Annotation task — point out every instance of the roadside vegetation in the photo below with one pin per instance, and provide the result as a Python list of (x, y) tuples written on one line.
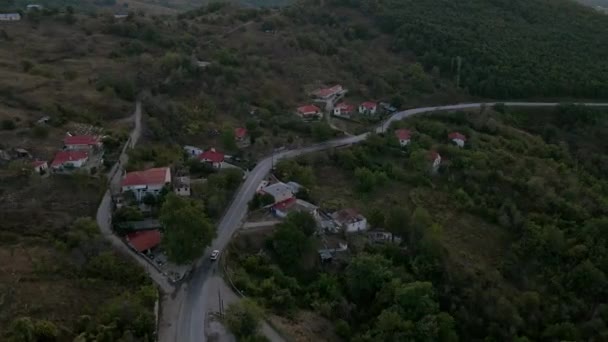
[(504, 243)]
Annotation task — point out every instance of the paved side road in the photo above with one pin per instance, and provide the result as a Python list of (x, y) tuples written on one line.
[(195, 298), (104, 212)]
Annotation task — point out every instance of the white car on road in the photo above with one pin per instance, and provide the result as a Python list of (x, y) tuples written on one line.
[(215, 254)]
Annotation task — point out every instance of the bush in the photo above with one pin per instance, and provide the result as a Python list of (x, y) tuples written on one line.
[(8, 124), (343, 329), (40, 132), (26, 65), (243, 318)]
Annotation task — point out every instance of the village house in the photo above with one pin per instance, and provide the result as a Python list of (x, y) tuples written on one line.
[(31, 7), (282, 209), (69, 160), (193, 151), (368, 108), (458, 138), (142, 183), (435, 160), (10, 16), (381, 236), (240, 134), (328, 93), (388, 107), (212, 157), (181, 186), (81, 142), (344, 110), (309, 112), (280, 191), (145, 240), (40, 166), (350, 220), (22, 153), (331, 249), (404, 136)]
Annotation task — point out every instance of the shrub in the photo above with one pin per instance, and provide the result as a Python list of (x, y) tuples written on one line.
[(26, 65), (8, 124), (40, 132)]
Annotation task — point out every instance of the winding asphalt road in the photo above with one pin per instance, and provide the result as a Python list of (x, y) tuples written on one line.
[(196, 296)]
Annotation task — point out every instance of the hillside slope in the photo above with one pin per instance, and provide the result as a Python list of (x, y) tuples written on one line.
[(509, 49)]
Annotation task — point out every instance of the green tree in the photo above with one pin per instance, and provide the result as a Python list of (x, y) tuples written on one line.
[(302, 220), (228, 140), (397, 222), (365, 179), (290, 244), (81, 232), (187, 231), (46, 331), (8, 124), (376, 218), (321, 131), (421, 222), (243, 318), (127, 213), (22, 330), (149, 199), (365, 275), (260, 201)]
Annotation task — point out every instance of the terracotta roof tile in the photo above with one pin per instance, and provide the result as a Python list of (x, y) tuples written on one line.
[(148, 177), (144, 240), (64, 156)]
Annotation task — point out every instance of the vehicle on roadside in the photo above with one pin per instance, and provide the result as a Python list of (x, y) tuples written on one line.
[(215, 254)]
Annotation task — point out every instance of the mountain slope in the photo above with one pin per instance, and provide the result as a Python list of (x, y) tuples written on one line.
[(508, 48)]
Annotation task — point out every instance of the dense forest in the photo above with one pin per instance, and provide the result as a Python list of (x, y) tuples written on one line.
[(507, 49), (507, 242)]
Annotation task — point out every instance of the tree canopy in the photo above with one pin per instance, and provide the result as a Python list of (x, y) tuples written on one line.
[(501, 49), (186, 229)]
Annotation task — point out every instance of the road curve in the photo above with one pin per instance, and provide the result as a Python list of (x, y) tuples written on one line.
[(190, 320), (104, 211)]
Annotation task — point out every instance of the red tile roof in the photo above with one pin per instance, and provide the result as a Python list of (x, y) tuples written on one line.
[(154, 176), (369, 105), (37, 163), (240, 132), (285, 204), (456, 135), (81, 140), (144, 240), (212, 156), (328, 91), (403, 134), (308, 109), (345, 107), (64, 156)]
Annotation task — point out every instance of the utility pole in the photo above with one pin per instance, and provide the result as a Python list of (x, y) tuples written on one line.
[(272, 159), (458, 65), (219, 300)]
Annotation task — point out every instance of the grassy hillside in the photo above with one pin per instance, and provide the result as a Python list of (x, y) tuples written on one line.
[(59, 279), (510, 233)]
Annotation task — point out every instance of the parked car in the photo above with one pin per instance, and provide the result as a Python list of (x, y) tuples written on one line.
[(215, 254)]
